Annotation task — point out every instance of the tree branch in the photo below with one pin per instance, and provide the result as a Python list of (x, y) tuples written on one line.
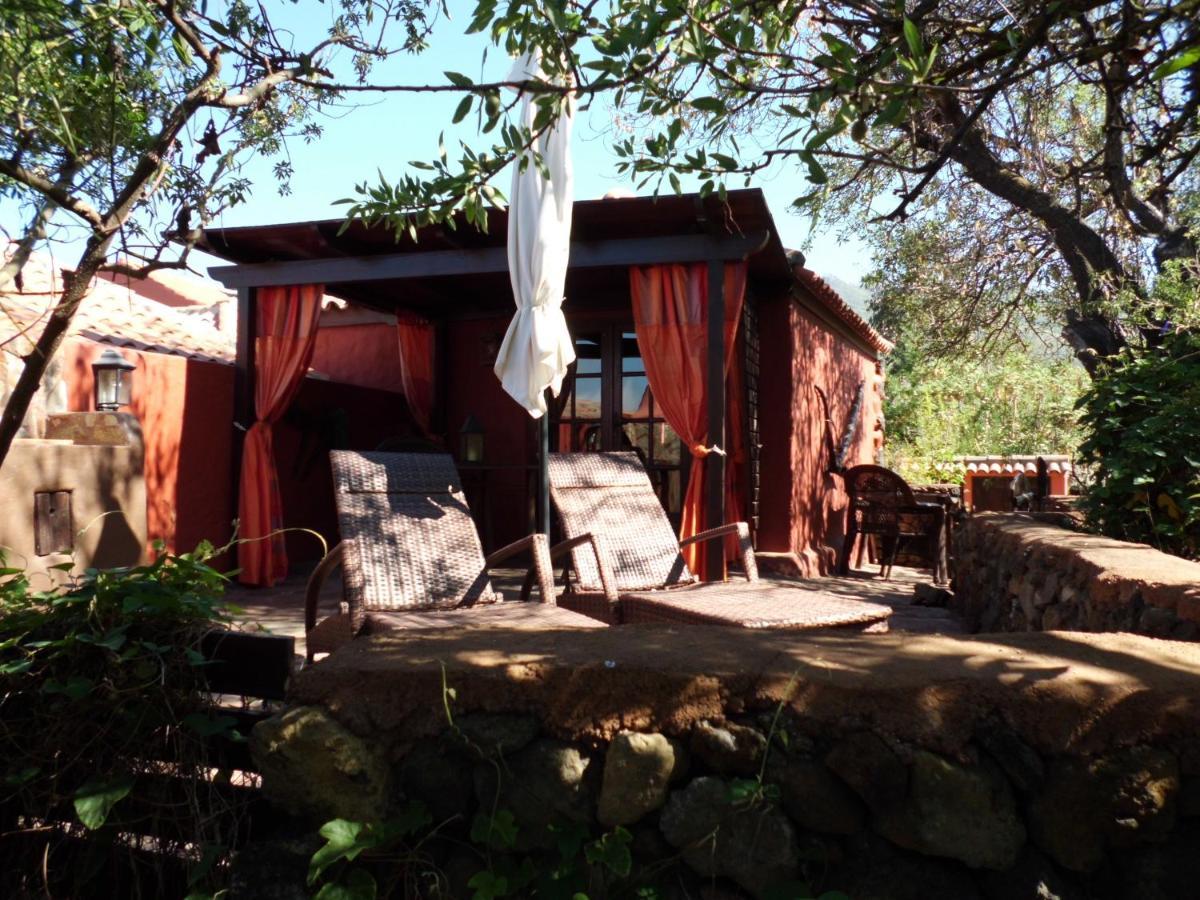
[(54, 191)]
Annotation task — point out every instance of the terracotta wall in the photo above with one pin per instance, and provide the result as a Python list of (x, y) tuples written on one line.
[(187, 458), (803, 505), (367, 355), (185, 408), (327, 415)]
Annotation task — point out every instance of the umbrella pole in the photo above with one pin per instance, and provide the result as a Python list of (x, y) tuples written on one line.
[(543, 488)]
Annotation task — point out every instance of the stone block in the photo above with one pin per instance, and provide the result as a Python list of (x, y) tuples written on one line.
[(753, 844), (728, 749), (546, 783), (494, 734), (637, 771), (1016, 758), (312, 766), (960, 812), (895, 874), (814, 799), (438, 779), (864, 762), (1089, 807)]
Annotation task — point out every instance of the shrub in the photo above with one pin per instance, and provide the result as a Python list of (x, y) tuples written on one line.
[(1142, 422), (101, 683), (937, 409)]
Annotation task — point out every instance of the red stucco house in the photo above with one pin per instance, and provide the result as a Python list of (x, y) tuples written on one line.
[(179, 331), (803, 385)]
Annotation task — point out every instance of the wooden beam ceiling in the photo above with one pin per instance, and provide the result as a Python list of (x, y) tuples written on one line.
[(486, 261)]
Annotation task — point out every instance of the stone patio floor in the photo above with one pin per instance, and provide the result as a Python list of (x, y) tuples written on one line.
[(280, 610)]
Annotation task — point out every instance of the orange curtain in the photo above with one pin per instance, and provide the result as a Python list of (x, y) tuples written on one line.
[(670, 314), (283, 350), (735, 461), (416, 369)]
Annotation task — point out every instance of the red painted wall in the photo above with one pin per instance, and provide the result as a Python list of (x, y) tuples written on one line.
[(803, 505), (185, 408), (187, 457), (323, 416), (366, 355), (500, 494)]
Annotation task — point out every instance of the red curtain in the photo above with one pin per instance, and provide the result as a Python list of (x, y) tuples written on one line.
[(283, 350), (736, 459), (670, 314), (416, 369)]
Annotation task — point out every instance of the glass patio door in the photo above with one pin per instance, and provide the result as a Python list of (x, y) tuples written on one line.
[(607, 405)]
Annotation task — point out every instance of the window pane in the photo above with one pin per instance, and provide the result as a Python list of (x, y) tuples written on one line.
[(667, 447), (587, 398), (631, 357), (636, 436), (673, 496), (588, 437), (635, 397), (587, 354)]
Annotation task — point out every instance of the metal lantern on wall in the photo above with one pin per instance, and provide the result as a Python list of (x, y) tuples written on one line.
[(470, 441), (112, 380)]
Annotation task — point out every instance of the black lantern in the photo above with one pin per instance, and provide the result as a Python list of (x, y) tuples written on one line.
[(113, 376), (470, 441)]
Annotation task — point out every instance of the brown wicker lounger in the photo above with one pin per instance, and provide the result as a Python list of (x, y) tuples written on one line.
[(411, 556), (609, 496)]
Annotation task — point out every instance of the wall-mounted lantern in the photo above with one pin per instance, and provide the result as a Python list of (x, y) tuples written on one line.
[(470, 441), (113, 379)]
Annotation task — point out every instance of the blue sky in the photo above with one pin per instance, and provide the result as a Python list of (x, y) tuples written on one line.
[(385, 132), (388, 131)]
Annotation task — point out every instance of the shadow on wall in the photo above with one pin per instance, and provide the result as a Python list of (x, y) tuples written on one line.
[(107, 502), (819, 497), (185, 408)]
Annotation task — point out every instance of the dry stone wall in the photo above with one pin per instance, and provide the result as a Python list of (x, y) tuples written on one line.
[(1016, 573), (745, 765)]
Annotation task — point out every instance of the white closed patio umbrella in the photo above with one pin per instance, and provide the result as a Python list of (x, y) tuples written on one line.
[(537, 348)]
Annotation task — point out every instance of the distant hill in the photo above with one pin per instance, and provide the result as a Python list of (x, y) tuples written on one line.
[(851, 293)]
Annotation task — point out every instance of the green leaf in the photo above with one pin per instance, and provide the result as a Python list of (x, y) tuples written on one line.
[(17, 667), (709, 105), (487, 885), (1184, 60), (359, 885), (498, 830), (912, 36), (95, 800), (75, 687), (459, 80), (464, 107), (343, 840), (612, 851)]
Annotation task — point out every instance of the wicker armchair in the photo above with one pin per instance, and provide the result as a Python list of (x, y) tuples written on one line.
[(411, 556), (609, 497), (882, 503)]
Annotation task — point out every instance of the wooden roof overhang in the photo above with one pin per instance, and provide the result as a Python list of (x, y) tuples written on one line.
[(459, 272), (462, 271)]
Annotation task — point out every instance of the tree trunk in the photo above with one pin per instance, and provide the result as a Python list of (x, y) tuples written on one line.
[(75, 286), (1095, 269)]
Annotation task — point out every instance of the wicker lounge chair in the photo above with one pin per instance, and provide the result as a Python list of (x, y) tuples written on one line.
[(609, 495), (411, 556), (882, 503)]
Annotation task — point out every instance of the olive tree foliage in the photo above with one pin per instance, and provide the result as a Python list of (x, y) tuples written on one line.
[(130, 121), (1063, 133), (1015, 401)]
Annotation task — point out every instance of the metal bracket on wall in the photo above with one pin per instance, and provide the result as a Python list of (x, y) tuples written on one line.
[(837, 457)]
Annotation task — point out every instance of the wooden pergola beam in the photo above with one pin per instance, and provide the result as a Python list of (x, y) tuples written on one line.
[(485, 261)]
